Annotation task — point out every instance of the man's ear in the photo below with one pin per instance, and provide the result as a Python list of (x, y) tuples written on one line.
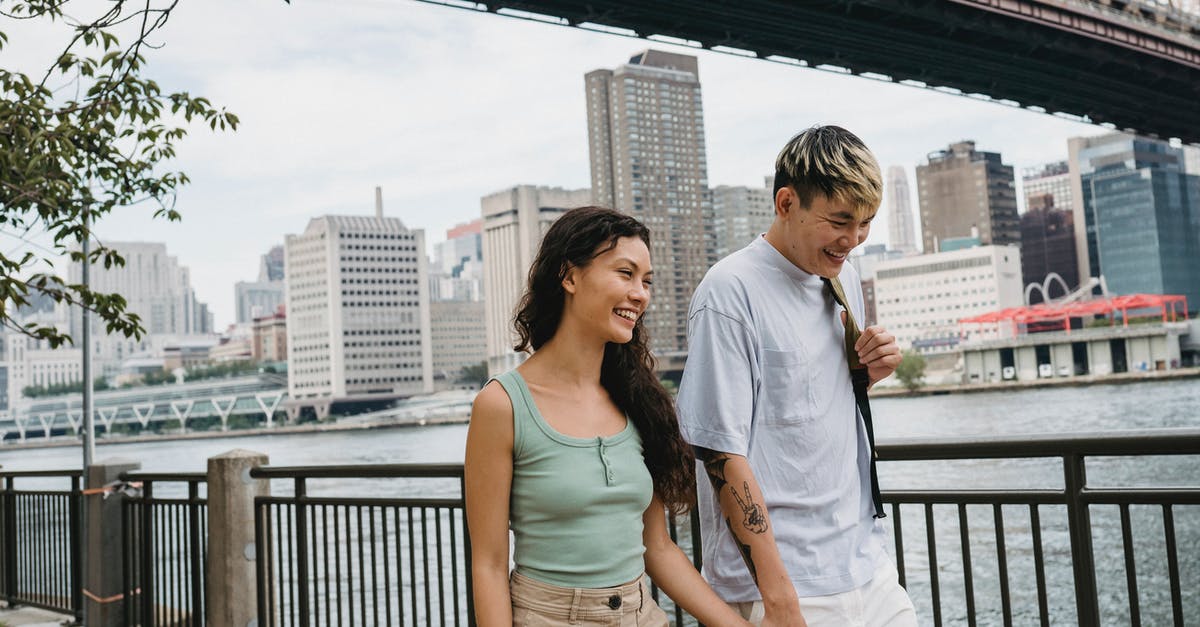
[(785, 201)]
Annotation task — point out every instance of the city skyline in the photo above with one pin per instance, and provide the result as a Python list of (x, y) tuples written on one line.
[(405, 103)]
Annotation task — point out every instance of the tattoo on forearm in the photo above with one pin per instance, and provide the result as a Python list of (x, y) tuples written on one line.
[(753, 516), (744, 549), (714, 466)]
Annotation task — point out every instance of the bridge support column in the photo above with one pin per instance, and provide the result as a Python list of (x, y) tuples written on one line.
[(103, 583), (231, 584)]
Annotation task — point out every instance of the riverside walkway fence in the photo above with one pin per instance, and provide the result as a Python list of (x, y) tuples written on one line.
[(389, 545), (39, 541)]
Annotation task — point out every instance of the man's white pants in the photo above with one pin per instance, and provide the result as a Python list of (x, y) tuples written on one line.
[(881, 602)]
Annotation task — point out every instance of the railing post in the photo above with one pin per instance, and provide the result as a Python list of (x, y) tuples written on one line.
[(196, 567), (1080, 522), (75, 531), (10, 541), (104, 578), (301, 550), (231, 583)]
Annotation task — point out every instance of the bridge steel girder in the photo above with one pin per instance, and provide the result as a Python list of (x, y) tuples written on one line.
[(1035, 53)]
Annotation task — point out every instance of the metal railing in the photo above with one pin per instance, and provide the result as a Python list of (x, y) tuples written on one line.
[(339, 560), (164, 550), (1076, 501), (335, 560), (40, 543)]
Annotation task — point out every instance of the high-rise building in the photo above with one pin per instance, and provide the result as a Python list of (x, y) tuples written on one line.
[(920, 299), (459, 340), (514, 221), (1140, 213), (960, 189), (255, 299), (646, 142), (270, 268), (740, 214), (457, 273), (900, 219), (155, 286), (358, 325), (1048, 232)]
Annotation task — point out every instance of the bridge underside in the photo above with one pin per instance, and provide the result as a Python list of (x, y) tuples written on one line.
[(1037, 54)]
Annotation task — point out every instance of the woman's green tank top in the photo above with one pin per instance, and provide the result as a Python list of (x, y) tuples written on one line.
[(577, 503)]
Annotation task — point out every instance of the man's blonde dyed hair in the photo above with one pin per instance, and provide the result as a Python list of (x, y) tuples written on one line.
[(830, 161)]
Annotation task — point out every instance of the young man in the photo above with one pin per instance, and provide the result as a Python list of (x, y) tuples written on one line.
[(767, 400)]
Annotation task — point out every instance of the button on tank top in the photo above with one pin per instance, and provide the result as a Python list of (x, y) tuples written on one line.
[(577, 503)]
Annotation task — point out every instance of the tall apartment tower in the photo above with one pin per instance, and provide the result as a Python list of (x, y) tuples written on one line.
[(646, 141), (740, 214), (900, 218), (357, 312), (514, 221), (1048, 231), (256, 299), (1137, 219), (960, 189)]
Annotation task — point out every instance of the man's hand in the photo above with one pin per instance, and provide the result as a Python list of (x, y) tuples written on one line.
[(879, 352)]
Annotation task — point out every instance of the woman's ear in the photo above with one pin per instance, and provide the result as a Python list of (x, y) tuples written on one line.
[(569, 278)]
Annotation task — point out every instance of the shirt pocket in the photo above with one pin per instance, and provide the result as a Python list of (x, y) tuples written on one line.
[(786, 390)]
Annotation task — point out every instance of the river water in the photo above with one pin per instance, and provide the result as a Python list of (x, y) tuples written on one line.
[(1079, 410)]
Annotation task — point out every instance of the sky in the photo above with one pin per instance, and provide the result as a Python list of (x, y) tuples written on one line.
[(440, 106)]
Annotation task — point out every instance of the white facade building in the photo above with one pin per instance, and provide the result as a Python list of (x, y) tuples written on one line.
[(514, 221), (921, 299), (358, 312)]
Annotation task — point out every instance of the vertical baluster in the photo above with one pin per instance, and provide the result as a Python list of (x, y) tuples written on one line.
[(425, 566), (931, 542), (349, 566), (412, 565), (301, 544), (374, 568), (315, 531), (968, 574), (898, 531), (196, 562), (1039, 565), (337, 561), (437, 524), (362, 565), (1135, 614), (1002, 563), (1173, 565), (399, 568), (454, 563), (261, 570), (387, 578)]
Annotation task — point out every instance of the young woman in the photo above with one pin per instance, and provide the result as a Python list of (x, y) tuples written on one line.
[(578, 450)]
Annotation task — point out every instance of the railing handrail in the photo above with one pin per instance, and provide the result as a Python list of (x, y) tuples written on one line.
[(360, 471), (40, 473), (1173, 441), (181, 477)]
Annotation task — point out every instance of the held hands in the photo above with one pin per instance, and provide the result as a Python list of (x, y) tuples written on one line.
[(878, 351)]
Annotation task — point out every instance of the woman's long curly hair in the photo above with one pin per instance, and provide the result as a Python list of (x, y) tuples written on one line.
[(627, 373)]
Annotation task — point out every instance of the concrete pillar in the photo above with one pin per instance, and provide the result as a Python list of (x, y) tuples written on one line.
[(105, 576), (231, 586)]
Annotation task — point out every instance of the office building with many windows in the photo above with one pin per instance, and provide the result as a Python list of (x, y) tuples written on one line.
[(921, 299), (358, 327), (967, 193)]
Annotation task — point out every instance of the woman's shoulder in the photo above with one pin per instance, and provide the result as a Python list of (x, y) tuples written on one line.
[(492, 400)]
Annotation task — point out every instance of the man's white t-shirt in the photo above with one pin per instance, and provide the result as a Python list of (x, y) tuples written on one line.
[(766, 377)]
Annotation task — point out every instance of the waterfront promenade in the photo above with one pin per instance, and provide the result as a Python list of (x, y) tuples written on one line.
[(948, 492)]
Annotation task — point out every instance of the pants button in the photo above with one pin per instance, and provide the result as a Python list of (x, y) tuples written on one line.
[(614, 601)]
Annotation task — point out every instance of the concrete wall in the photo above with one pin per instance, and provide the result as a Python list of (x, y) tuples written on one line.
[(1026, 362), (1099, 357)]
